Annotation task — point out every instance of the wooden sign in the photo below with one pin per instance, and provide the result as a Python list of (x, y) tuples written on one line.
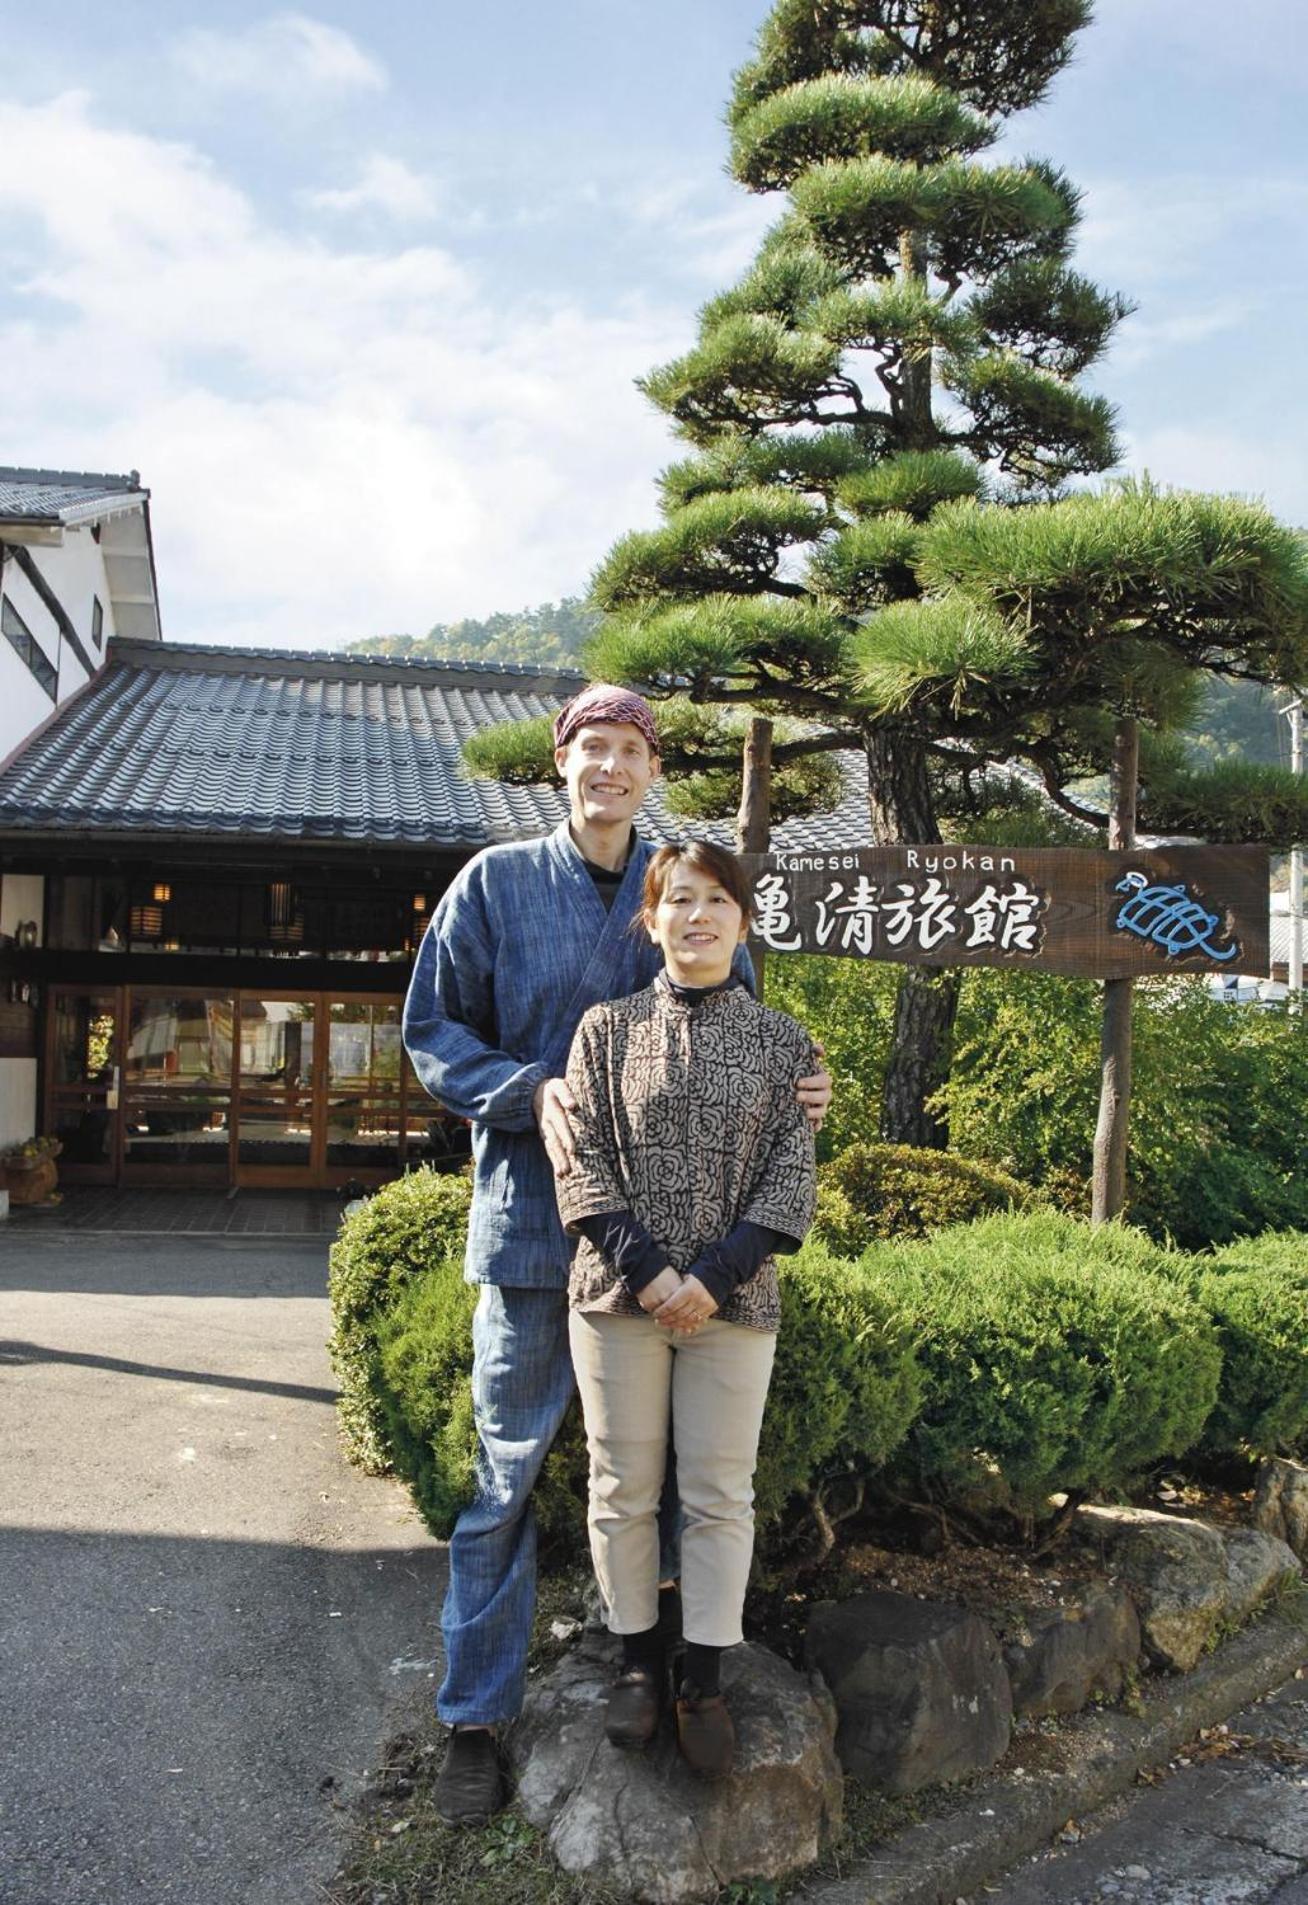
[(1046, 909)]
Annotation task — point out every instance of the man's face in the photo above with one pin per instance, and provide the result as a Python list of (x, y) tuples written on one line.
[(607, 768)]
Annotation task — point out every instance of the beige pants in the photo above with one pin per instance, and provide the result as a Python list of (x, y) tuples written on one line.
[(635, 1376)]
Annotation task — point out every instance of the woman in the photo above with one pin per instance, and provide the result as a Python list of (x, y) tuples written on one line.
[(694, 1166)]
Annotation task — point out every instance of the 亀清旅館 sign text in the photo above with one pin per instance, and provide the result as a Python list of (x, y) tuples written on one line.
[(1107, 915)]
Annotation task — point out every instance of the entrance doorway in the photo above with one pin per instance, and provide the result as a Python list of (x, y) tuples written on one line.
[(187, 1086)]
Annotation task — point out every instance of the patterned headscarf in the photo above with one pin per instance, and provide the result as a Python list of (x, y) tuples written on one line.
[(602, 702)]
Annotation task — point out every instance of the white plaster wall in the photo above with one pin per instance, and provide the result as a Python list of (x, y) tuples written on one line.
[(17, 1100), (22, 896), (24, 703), (75, 571)]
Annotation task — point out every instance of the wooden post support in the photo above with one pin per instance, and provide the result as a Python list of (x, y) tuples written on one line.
[(754, 821), (1108, 1183)]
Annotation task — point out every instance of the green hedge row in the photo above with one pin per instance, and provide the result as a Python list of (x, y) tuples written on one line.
[(986, 1366)]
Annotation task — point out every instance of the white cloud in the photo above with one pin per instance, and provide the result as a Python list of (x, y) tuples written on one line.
[(1138, 236), (339, 441), (718, 238), (1216, 460), (1144, 337), (288, 53), (386, 185)]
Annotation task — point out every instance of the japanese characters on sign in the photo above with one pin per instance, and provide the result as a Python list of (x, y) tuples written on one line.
[(1111, 915)]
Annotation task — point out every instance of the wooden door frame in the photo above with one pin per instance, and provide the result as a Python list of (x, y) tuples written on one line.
[(110, 1172)]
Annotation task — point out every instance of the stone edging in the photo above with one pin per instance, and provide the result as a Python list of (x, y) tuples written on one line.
[(954, 1853)]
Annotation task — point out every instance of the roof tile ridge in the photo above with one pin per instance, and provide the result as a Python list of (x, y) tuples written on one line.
[(71, 479)]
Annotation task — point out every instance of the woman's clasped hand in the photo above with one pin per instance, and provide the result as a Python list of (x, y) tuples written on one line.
[(679, 1303)]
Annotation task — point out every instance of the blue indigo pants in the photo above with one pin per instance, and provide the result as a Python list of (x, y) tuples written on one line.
[(521, 1387), (522, 1384)]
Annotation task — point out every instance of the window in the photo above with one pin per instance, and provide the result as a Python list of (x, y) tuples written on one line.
[(97, 621), (22, 640)]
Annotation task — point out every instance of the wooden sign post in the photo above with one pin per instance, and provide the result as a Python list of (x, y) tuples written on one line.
[(1108, 1174)]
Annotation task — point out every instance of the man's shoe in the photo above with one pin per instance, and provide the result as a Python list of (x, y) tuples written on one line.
[(470, 1787), (705, 1734), (631, 1717)]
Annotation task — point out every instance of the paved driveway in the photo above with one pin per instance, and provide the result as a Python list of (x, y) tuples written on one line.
[(207, 1620)]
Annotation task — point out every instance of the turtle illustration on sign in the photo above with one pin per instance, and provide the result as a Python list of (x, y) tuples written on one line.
[(1169, 917)]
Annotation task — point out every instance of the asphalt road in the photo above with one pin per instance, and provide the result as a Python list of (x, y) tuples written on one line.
[(208, 1622), (1226, 1826)]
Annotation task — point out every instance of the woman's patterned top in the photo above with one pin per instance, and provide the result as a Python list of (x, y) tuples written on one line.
[(687, 1117)]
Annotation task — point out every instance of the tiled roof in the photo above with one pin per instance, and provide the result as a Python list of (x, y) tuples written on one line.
[(44, 496), (176, 740)]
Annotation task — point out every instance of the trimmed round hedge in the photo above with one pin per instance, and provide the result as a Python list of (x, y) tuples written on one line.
[(1057, 1357), (987, 1367), (391, 1238), (1256, 1292), (844, 1391), (846, 1383), (873, 1191)]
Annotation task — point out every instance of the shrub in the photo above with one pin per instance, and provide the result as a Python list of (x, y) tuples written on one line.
[(845, 1386), (845, 1389), (1057, 1358), (1256, 1292), (849, 1005), (400, 1233), (894, 1190), (1219, 1107)]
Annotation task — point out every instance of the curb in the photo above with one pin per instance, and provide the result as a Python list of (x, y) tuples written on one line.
[(948, 1856)]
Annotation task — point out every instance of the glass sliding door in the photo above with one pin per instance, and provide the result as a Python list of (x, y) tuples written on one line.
[(276, 1074), (365, 1057), (177, 1087)]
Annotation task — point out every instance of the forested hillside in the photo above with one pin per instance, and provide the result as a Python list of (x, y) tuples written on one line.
[(551, 636)]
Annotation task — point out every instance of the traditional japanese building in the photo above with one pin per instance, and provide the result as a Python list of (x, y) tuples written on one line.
[(215, 867)]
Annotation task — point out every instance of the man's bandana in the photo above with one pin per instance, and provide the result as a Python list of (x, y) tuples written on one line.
[(601, 702)]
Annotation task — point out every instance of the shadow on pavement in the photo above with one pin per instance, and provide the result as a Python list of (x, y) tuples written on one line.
[(16, 1353)]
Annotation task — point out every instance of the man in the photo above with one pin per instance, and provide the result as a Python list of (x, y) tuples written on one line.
[(526, 939)]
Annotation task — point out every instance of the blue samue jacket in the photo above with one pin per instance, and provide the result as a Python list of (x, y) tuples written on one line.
[(518, 949)]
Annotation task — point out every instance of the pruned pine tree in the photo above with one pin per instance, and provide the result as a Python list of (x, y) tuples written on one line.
[(862, 539), (910, 333)]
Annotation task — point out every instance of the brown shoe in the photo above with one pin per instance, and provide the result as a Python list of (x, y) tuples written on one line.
[(631, 1717), (470, 1787), (705, 1735)]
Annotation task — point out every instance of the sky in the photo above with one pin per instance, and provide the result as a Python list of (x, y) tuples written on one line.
[(362, 291)]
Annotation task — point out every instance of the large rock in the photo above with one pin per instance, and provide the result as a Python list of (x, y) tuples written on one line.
[(920, 1688), (639, 1822), (1256, 1564), (1176, 1570), (1281, 1503), (1062, 1656)]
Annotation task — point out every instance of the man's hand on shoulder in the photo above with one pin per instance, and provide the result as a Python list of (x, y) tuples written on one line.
[(551, 1103), (814, 1092)]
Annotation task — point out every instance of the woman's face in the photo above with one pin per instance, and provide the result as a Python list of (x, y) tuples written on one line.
[(698, 926)]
